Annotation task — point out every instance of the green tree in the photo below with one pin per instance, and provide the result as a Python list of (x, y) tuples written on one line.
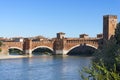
[(106, 62), (100, 72), (117, 33), (0, 45), (109, 54)]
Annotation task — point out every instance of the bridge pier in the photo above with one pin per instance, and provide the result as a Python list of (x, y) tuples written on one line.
[(58, 52), (27, 47), (61, 52), (28, 53)]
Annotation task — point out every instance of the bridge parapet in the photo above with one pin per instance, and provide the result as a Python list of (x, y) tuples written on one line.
[(59, 46), (82, 40), (43, 41)]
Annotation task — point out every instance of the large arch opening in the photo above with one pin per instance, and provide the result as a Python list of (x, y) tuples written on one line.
[(82, 50), (15, 51), (42, 50)]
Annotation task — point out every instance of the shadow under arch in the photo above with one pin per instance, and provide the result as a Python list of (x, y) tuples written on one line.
[(15, 51), (42, 50), (85, 50)]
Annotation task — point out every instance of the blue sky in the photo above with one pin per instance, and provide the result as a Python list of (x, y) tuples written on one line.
[(47, 17)]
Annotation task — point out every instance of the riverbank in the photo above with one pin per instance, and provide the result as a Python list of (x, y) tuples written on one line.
[(12, 56)]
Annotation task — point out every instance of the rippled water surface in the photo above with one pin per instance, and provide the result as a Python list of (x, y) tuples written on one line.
[(43, 68)]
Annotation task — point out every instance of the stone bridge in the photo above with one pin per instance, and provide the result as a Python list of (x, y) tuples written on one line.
[(57, 45), (61, 44)]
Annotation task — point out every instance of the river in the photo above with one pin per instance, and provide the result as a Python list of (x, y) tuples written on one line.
[(43, 68)]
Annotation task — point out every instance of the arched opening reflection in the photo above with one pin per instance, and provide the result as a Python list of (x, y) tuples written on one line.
[(15, 51), (82, 50), (42, 51)]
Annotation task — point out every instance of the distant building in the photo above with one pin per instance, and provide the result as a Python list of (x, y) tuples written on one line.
[(99, 35), (4, 39), (17, 39), (38, 38), (84, 36)]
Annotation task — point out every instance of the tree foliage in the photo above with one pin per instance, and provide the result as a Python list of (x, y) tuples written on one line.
[(109, 54), (0, 45), (100, 72), (117, 33), (106, 62)]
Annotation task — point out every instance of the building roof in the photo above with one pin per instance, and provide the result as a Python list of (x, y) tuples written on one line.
[(61, 33), (84, 34), (110, 16)]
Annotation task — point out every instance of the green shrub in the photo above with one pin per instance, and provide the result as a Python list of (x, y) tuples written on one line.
[(106, 62), (100, 72)]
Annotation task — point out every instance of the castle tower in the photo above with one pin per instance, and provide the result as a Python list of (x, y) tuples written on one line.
[(109, 26), (60, 35)]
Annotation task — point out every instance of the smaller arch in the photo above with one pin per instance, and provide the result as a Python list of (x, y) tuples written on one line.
[(15, 48), (42, 47), (80, 45), (15, 53)]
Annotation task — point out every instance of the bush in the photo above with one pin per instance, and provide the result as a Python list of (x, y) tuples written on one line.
[(109, 54), (100, 72), (106, 62)]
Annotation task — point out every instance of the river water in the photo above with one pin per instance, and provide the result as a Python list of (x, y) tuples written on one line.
[(43, 68)]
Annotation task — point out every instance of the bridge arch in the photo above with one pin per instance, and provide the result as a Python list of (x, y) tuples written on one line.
[(42, 47), (89, 45), (15, 48), (15, 51)]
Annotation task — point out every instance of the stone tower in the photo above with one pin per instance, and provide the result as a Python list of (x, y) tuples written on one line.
[(60, 35), (109, 26)]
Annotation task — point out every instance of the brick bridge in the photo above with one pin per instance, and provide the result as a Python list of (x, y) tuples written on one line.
[(61, 44), (58, 45)]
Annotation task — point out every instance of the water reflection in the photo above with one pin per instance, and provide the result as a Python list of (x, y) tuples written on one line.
[(43, 68)]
